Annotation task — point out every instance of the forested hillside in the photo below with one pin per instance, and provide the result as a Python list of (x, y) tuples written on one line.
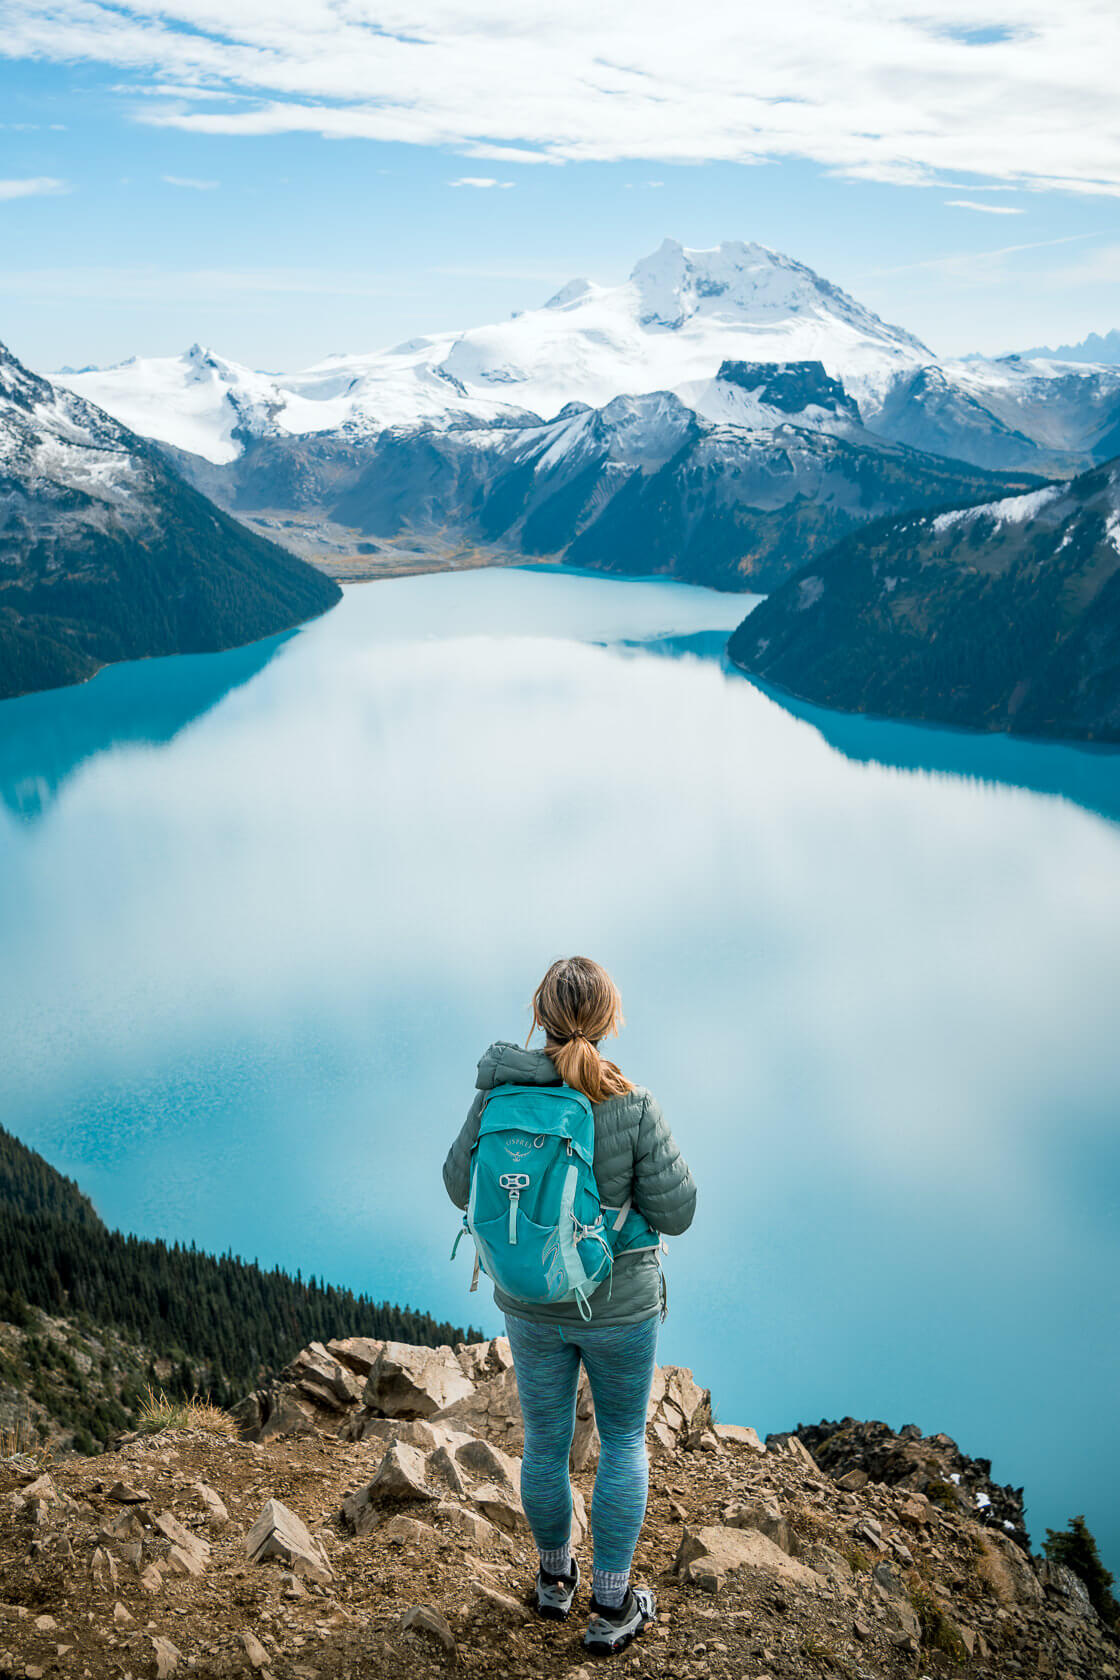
[(216, 1317)]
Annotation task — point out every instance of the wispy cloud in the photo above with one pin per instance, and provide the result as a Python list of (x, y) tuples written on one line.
[(958, 260), (34, 186), (192, 182), (872, 89), (478, 181), (986, 209)]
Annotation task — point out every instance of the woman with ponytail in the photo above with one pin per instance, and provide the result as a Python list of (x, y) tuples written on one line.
[(637, 1165)]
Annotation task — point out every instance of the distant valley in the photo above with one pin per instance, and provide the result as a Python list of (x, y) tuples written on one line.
[(726, 417)]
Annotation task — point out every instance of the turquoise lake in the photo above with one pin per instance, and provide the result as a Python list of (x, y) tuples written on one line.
[(261, 912)]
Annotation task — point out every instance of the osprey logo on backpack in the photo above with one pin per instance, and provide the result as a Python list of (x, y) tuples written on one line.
[(534, 1209)]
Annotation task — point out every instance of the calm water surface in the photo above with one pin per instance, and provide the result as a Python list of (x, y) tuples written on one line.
[(261, 912)]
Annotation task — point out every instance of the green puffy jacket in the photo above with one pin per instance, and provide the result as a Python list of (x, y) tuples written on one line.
[(636, 1157)]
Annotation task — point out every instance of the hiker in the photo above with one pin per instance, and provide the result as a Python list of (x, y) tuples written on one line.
[(561, 1133)]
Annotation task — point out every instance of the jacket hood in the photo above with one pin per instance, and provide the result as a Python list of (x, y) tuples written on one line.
[(509, 1064)]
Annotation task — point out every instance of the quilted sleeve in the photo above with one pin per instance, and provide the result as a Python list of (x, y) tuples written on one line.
[(457, 1167), (664, 1190)]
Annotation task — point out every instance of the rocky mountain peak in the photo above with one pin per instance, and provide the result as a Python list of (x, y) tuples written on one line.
[(369, 1521), (747, 282)]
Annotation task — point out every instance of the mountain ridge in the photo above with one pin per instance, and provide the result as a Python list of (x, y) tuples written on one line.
[(669, 326), (378, 1530), (106, 553), (1004, 616)]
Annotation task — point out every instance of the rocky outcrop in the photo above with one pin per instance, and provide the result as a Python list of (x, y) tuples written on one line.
[(362, 1543), (359, 1388), (855, 1453)]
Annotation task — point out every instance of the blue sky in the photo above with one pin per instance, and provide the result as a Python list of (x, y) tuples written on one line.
[(278, 183)]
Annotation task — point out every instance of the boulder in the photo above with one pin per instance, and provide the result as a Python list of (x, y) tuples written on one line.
[(500, 1504), (278, 1532), (677, 1407), (359, 1353), (706, 1556), (739, 1435), (415, 1382), (491, 1408), (271, 1412), (401, 1476), (123, 1494), (427, 1623), (470, 1524), (325, 1379), (482, 1360), (189, 1553), (762, 1514), (443, 1467), (486, 1463)]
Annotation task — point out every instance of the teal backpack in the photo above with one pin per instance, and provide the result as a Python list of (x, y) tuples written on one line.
[(539, 1228)]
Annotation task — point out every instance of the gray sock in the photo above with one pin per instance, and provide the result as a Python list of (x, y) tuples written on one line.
[(557, 1562), (610, 1586)]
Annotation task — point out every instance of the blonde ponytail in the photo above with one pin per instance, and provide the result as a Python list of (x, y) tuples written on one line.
[(576, 1005)]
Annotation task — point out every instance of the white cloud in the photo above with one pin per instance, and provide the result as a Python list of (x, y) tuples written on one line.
[(987, 209), (34, 186), (478, 181), (190, 181), (873, 89)]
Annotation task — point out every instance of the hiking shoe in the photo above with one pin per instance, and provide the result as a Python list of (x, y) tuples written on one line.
[(611, 1629), (553, 1595)]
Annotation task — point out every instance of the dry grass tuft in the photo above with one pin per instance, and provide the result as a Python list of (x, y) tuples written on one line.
[(22, 1440), (158, 1413)]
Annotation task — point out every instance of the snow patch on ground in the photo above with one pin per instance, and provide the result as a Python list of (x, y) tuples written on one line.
[(1012, 510)]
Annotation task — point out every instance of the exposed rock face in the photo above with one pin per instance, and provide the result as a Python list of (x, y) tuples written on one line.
[(401, 1548)]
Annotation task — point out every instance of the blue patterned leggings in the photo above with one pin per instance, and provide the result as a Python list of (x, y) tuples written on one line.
[(619, 1361)]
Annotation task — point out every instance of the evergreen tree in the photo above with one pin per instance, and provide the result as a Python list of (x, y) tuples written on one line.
[(1076, 1548)]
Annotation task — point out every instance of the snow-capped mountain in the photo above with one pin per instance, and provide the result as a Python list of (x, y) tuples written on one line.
[(1002, 616), (106, 553), (197, 401), (1045, 416), (671, 325), (644, 483), (680, 317)]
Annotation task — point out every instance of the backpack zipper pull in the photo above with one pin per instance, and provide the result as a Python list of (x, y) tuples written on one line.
[(569, 1146), (514, 1198)]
